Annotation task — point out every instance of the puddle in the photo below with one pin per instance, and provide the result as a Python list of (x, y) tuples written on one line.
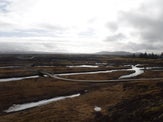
[(20, 107)]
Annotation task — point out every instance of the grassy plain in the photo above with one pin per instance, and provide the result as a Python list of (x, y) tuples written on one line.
[(131, 101)]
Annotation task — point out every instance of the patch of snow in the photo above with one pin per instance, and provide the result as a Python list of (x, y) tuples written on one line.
[(19, 107), (97, 109)]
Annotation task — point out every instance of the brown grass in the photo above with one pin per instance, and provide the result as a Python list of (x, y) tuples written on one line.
[(77, 109), (113, 98), (81, 108), (35, 89)]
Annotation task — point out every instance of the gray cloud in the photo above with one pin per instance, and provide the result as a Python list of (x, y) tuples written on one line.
[(149, 28), (5, 25), (145, 24), (14, 47), (113, 26), (142, 46), (4, 5), (18, 19), (116, 37), (11, 47)]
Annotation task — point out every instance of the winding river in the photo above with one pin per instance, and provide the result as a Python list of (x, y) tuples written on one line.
[(137, 71)]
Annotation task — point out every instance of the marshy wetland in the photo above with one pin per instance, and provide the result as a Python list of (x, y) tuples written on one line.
[(76, 88)]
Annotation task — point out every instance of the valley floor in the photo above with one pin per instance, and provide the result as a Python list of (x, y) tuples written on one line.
[(130, 101)]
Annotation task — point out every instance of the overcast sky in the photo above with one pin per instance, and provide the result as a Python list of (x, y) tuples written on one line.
[(81, 26)]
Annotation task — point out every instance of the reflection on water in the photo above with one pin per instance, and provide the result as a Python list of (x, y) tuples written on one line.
[(84, 66), (18, 78), (138, 71), (19, 107), (95, 72)]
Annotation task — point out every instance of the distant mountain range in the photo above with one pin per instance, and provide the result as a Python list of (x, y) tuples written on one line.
[(116, 53)]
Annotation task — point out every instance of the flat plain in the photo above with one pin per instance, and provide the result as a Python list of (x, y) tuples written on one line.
[(132, 99)]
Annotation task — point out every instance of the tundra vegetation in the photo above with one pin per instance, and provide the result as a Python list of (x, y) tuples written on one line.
[(135, 99)]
